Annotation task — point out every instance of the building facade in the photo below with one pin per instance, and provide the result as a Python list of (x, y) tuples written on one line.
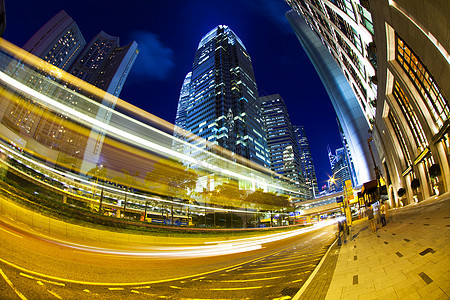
[(348, 106), (407, 107), (102, 63), (223, 102), (411, 130), (307, 163), (282, 144), (339, 168)]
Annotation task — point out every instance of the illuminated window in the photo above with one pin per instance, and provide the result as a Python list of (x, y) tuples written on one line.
[(423, 81), (410, 116), (400, 139)]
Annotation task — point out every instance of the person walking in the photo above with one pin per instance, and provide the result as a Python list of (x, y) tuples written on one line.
[(370, 217), (383, 210)]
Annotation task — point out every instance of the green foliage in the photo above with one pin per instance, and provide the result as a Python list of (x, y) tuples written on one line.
[(260, 197)]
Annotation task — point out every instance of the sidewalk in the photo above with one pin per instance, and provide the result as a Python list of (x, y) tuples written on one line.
[(409, 258)]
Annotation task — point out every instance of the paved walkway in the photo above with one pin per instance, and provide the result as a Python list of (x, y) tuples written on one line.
[(409, 258)]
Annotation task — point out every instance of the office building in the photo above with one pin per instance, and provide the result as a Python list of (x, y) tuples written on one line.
[(406, 42), (340, 86), (223, 106), (181, 116), (284, 156), (183, 102), (339, 168), (306, 163)]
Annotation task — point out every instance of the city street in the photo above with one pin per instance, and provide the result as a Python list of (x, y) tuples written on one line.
[(33, 268)]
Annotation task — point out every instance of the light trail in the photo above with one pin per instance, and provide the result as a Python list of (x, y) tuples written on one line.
[(52, 100), (100, 126), (208, 249)]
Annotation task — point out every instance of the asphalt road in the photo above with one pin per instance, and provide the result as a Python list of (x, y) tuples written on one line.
[(33, 268)]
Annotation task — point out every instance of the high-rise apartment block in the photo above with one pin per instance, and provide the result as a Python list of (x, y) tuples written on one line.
[(306, 162), (103, 63), (284, 155), (394, 55), (222, 107)]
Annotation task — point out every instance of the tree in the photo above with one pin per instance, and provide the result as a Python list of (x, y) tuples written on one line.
[(172, 180), (270, 202), (98, 173), (128, 182)]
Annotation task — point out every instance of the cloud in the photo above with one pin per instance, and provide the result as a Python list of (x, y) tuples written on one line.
[(155, 60)]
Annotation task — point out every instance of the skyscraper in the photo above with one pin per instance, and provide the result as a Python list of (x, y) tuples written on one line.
[(58, 42), (223, 107), (183, 102), (281, 141), (340, 87), (106, 65), (306, 162), (102, 63), (339, 169)]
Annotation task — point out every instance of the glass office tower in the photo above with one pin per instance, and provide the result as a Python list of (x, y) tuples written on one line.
[(223, 108), (306, 163), (281, 141)]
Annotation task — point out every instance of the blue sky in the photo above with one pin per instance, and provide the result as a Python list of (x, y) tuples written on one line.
[(168, 33)]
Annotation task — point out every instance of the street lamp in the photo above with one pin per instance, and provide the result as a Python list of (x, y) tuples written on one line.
[(345, 202)]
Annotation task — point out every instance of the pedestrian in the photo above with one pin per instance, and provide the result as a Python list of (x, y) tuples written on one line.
[(373, 227), (383, 210)]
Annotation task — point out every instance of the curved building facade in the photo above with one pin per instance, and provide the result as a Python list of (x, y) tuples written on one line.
[(407, 42), (345, 103)]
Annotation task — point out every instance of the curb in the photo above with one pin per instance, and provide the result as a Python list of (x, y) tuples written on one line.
[(314, 273)]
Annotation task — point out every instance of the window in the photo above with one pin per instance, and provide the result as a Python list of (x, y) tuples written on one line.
[(410, 116), (423, 81)]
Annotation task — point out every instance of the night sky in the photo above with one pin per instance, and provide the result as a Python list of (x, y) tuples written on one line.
[(168, 33)]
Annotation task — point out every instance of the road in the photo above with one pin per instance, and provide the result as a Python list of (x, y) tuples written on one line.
[(35, 268)]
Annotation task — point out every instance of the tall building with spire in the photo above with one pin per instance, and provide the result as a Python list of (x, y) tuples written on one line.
[(306, 162), (181, 116), (339, 169), (223, 106)]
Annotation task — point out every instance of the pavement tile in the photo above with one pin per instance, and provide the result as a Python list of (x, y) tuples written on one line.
[(434, 294), (428, 289), (333, 296), (349, 296), (395, 277), (381, 294), (392, 296), (388, 262), (445, 287), (404, 291)]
